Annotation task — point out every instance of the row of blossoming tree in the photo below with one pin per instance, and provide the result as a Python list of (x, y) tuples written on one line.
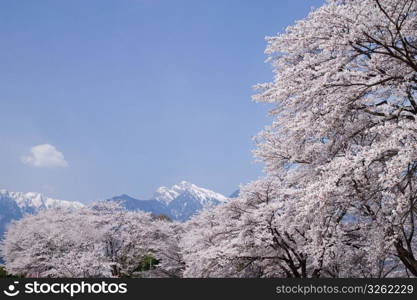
[(339, 196)]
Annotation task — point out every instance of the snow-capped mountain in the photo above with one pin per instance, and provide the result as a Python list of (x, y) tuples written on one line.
[(178, 202), (203, 196), (34, 202), (13, 205)]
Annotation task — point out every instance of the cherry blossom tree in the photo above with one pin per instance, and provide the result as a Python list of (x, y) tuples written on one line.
[(344, 96), (339, 198), (103, 240), (258, 235), (56, 243)]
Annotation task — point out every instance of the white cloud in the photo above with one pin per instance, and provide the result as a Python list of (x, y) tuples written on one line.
[(45, 156)]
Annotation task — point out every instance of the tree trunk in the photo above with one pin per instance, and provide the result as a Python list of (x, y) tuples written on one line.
[(407, 258)]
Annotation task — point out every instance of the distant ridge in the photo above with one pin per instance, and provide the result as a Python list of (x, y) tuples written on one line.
[(179, 202)]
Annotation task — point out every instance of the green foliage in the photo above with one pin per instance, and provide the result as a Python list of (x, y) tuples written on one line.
[(4, 274), (145, 264), (148, 263)]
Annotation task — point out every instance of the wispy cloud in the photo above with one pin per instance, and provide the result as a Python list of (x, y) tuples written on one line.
[(45, 156)]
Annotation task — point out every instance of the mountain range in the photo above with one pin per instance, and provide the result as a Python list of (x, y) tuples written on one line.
[(179, 202)]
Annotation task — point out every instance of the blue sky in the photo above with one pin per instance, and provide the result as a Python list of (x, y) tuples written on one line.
[(130, 95)]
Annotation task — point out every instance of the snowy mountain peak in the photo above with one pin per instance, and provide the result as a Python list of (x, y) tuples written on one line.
[(33, 202), (165, 195), (178, 202), (185, 184), (184, 188)]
